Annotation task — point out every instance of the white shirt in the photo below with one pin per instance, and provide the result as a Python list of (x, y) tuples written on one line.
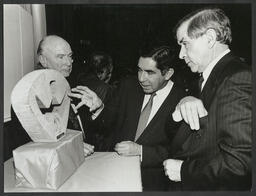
[(208, 70), (158, 99)]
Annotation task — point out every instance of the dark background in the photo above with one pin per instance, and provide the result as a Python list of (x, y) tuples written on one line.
[(121, 30)]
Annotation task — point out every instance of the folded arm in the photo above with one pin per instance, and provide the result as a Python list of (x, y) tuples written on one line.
[(190, 109)]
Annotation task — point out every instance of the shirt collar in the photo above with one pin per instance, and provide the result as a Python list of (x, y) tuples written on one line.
[(163, 91), (166, 89), (209, 68)]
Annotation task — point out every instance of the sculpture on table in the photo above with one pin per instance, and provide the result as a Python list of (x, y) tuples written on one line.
[(42, 89), (41, 104)]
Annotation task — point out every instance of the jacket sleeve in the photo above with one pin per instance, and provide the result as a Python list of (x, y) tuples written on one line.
[(230, 167), (154, 155), (107, 118)]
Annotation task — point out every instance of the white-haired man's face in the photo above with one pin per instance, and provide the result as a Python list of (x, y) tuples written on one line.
[(196, 52), (57, 55)]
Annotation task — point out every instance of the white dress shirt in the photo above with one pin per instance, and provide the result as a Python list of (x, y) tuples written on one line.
[(158, 99)]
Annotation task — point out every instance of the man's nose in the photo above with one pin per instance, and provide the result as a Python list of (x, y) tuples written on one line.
[(182, 53), (142, 76), (68, 60)]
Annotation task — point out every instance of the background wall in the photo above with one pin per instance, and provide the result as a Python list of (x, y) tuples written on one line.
[(18, 49), (24, 26)]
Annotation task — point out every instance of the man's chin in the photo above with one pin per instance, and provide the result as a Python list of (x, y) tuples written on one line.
[(193, 69), (147, 91), (66, 74)]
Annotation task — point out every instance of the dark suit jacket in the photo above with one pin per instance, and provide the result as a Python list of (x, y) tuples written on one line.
[(218, 156), (94, 133), (123, 119), (102, 89)]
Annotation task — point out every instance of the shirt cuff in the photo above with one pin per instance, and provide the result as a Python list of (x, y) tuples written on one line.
[(97, 112)]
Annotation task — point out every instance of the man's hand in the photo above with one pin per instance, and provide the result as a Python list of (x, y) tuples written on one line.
[(190, 109), (172, 169), (128, 148), (87, 96), (88, 149)]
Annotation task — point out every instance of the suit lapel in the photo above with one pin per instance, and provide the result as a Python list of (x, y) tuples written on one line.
[(186, 140), (166, 104), (214, 80), (135, 109), (138, 104)]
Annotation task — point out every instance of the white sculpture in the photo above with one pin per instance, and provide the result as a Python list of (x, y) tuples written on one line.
[(42, 89), (55, 153)]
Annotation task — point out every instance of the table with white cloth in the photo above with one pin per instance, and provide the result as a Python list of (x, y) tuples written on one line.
[(100, 172)]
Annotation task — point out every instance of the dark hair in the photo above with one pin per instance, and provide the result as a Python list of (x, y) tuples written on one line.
[(99, 61), (201, 20), (163, 56)]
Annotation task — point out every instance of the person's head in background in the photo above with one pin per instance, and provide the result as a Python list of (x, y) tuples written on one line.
[(202, 36), (155, 68), (55, 53), (102, 65)]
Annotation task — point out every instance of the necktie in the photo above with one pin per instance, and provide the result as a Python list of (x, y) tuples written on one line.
[(200, 82), (144, 115), (75, 120)]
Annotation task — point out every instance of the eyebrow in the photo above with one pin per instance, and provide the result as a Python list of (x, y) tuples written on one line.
[(182, 40), (61, 54), (147, 70)]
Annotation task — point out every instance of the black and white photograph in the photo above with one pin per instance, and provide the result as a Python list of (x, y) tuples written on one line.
[(118, 96)]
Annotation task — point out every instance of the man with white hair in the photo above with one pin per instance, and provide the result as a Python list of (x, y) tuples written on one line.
[(55, 53), (218, 155)]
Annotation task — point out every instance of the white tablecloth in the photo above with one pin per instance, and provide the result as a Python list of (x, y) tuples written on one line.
[(101, 172)]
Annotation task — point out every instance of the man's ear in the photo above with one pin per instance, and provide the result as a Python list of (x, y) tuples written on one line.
[(211, 37), (169, 73), (42, 60)]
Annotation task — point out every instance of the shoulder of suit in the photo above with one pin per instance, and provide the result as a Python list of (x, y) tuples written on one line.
[(234, 66), (129, 81), (181, 91)]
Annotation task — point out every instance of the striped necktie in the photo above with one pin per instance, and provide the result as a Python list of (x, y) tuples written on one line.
[(200, 82)]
